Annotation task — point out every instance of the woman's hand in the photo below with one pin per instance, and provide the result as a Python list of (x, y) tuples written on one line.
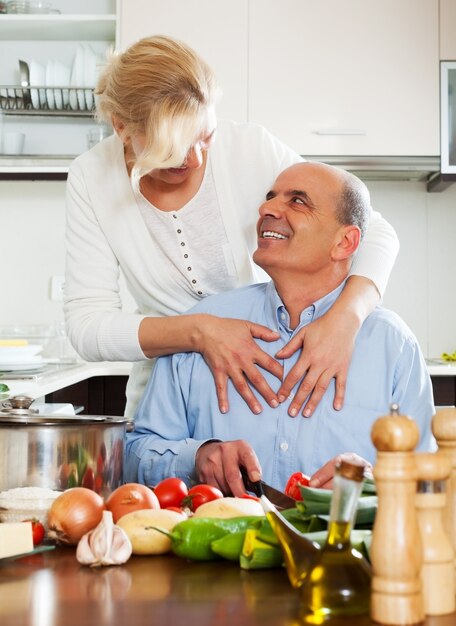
[(327, 346), (230, 351), (326, 353)]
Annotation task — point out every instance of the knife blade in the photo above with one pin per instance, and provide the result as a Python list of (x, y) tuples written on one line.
[(260, 488)]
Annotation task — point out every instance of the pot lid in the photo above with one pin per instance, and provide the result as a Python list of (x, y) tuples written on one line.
[(18, 405), (16, 417)]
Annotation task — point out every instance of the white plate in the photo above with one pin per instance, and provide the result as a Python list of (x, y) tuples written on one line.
[(50, 83), (22, 352), (61, 79), (20, 360), (90, 77), (21, 367), (37, 78), (77, 80)]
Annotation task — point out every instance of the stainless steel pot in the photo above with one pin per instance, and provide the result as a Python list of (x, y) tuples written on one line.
[(59, 452)]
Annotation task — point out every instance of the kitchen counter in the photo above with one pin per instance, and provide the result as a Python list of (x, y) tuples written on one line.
[(52, 589), (436, 367), (56, 380), (60, 379)]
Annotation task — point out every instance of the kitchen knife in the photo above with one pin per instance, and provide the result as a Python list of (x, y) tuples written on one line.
[(260, 488)]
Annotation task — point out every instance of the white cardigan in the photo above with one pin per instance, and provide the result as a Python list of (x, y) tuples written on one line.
[(105, 233)]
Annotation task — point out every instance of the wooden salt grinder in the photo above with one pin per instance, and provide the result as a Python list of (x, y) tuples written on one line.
[(444, 429), (396, 551), (438, 558)]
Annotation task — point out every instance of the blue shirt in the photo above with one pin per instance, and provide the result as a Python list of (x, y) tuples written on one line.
[(179, 410)]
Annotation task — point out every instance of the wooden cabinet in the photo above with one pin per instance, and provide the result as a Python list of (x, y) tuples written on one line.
[(216, 29), (444, 390), (105, 395), (100, 395), (346, 78)]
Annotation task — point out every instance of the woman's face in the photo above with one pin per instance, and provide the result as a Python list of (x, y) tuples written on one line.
[(195, 156)]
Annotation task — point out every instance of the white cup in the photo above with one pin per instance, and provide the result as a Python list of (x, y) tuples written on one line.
[(13, 142)]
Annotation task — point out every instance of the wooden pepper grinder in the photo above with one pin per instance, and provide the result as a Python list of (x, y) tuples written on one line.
[(444, 429), (396, 551), (438, 558)]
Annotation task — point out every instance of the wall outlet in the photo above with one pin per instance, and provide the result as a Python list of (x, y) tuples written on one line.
[(57, 285)]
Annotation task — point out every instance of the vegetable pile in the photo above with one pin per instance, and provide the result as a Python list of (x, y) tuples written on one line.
[(198, 524)]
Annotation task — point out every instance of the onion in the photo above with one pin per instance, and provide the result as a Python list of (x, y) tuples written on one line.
[(131, 497), (74, 513)]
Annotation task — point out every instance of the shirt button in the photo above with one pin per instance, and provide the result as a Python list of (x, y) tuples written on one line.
[(284, 446), (175, 216), (194, 281), (189, 269), (182, 243), (179, 231), (200, 293), (282, 316), (185, 256)]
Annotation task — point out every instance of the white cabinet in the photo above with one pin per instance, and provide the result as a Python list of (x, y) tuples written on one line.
[(448, 30), (216, 29), (54, 132), (347, 77)]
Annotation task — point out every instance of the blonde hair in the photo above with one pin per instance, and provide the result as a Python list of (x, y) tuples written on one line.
[(161, 88)]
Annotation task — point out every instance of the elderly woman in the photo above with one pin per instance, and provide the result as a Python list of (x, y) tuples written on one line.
[(170, 201)]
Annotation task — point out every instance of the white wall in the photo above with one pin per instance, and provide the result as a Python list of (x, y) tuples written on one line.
[(422, 288)]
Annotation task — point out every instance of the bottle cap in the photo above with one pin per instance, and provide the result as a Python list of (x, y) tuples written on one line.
[(352, 471)]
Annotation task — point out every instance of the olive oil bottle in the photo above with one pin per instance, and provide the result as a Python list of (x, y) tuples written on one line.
[(338, 584)]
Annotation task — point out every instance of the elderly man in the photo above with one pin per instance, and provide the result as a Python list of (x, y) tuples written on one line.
[(309, 229)]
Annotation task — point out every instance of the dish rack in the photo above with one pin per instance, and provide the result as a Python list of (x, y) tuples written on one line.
[(47, 101)]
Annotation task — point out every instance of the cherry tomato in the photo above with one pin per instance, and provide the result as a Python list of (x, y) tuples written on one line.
[(199, 494), (131, 497), (249, 496), (170, 492), (38, 531), (292, 487), (178, 509)]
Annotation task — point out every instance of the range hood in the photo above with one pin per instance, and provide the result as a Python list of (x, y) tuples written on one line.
[(386, 168)]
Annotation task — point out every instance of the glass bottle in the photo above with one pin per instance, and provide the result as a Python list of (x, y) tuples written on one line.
[(339, 583), (299, 553)]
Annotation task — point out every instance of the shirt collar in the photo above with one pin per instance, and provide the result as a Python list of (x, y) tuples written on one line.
[(278, 315)]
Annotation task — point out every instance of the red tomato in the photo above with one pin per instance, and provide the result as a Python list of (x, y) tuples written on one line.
[(199, 494), (178, 509), (249, 496), (292, 486), (131, 497), (170, 492), (37, 531)]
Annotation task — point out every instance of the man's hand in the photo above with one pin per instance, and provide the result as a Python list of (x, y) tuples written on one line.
[(324, 476), (217, 463)]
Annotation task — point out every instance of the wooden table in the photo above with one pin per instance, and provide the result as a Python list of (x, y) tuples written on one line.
[(52, 589)]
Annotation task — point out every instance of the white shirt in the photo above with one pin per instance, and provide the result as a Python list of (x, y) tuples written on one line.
[(180, 235)]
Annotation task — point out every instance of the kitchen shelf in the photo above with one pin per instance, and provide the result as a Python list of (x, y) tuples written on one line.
[(63, 27), (34, 167), (34, 101)]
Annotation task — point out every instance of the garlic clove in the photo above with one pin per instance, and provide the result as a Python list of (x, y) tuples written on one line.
[(106, 544), (84, 553)]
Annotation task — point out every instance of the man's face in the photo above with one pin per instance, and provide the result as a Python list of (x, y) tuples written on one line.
[(297, 225)]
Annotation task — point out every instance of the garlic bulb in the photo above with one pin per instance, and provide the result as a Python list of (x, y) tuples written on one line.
[(106, 544)]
